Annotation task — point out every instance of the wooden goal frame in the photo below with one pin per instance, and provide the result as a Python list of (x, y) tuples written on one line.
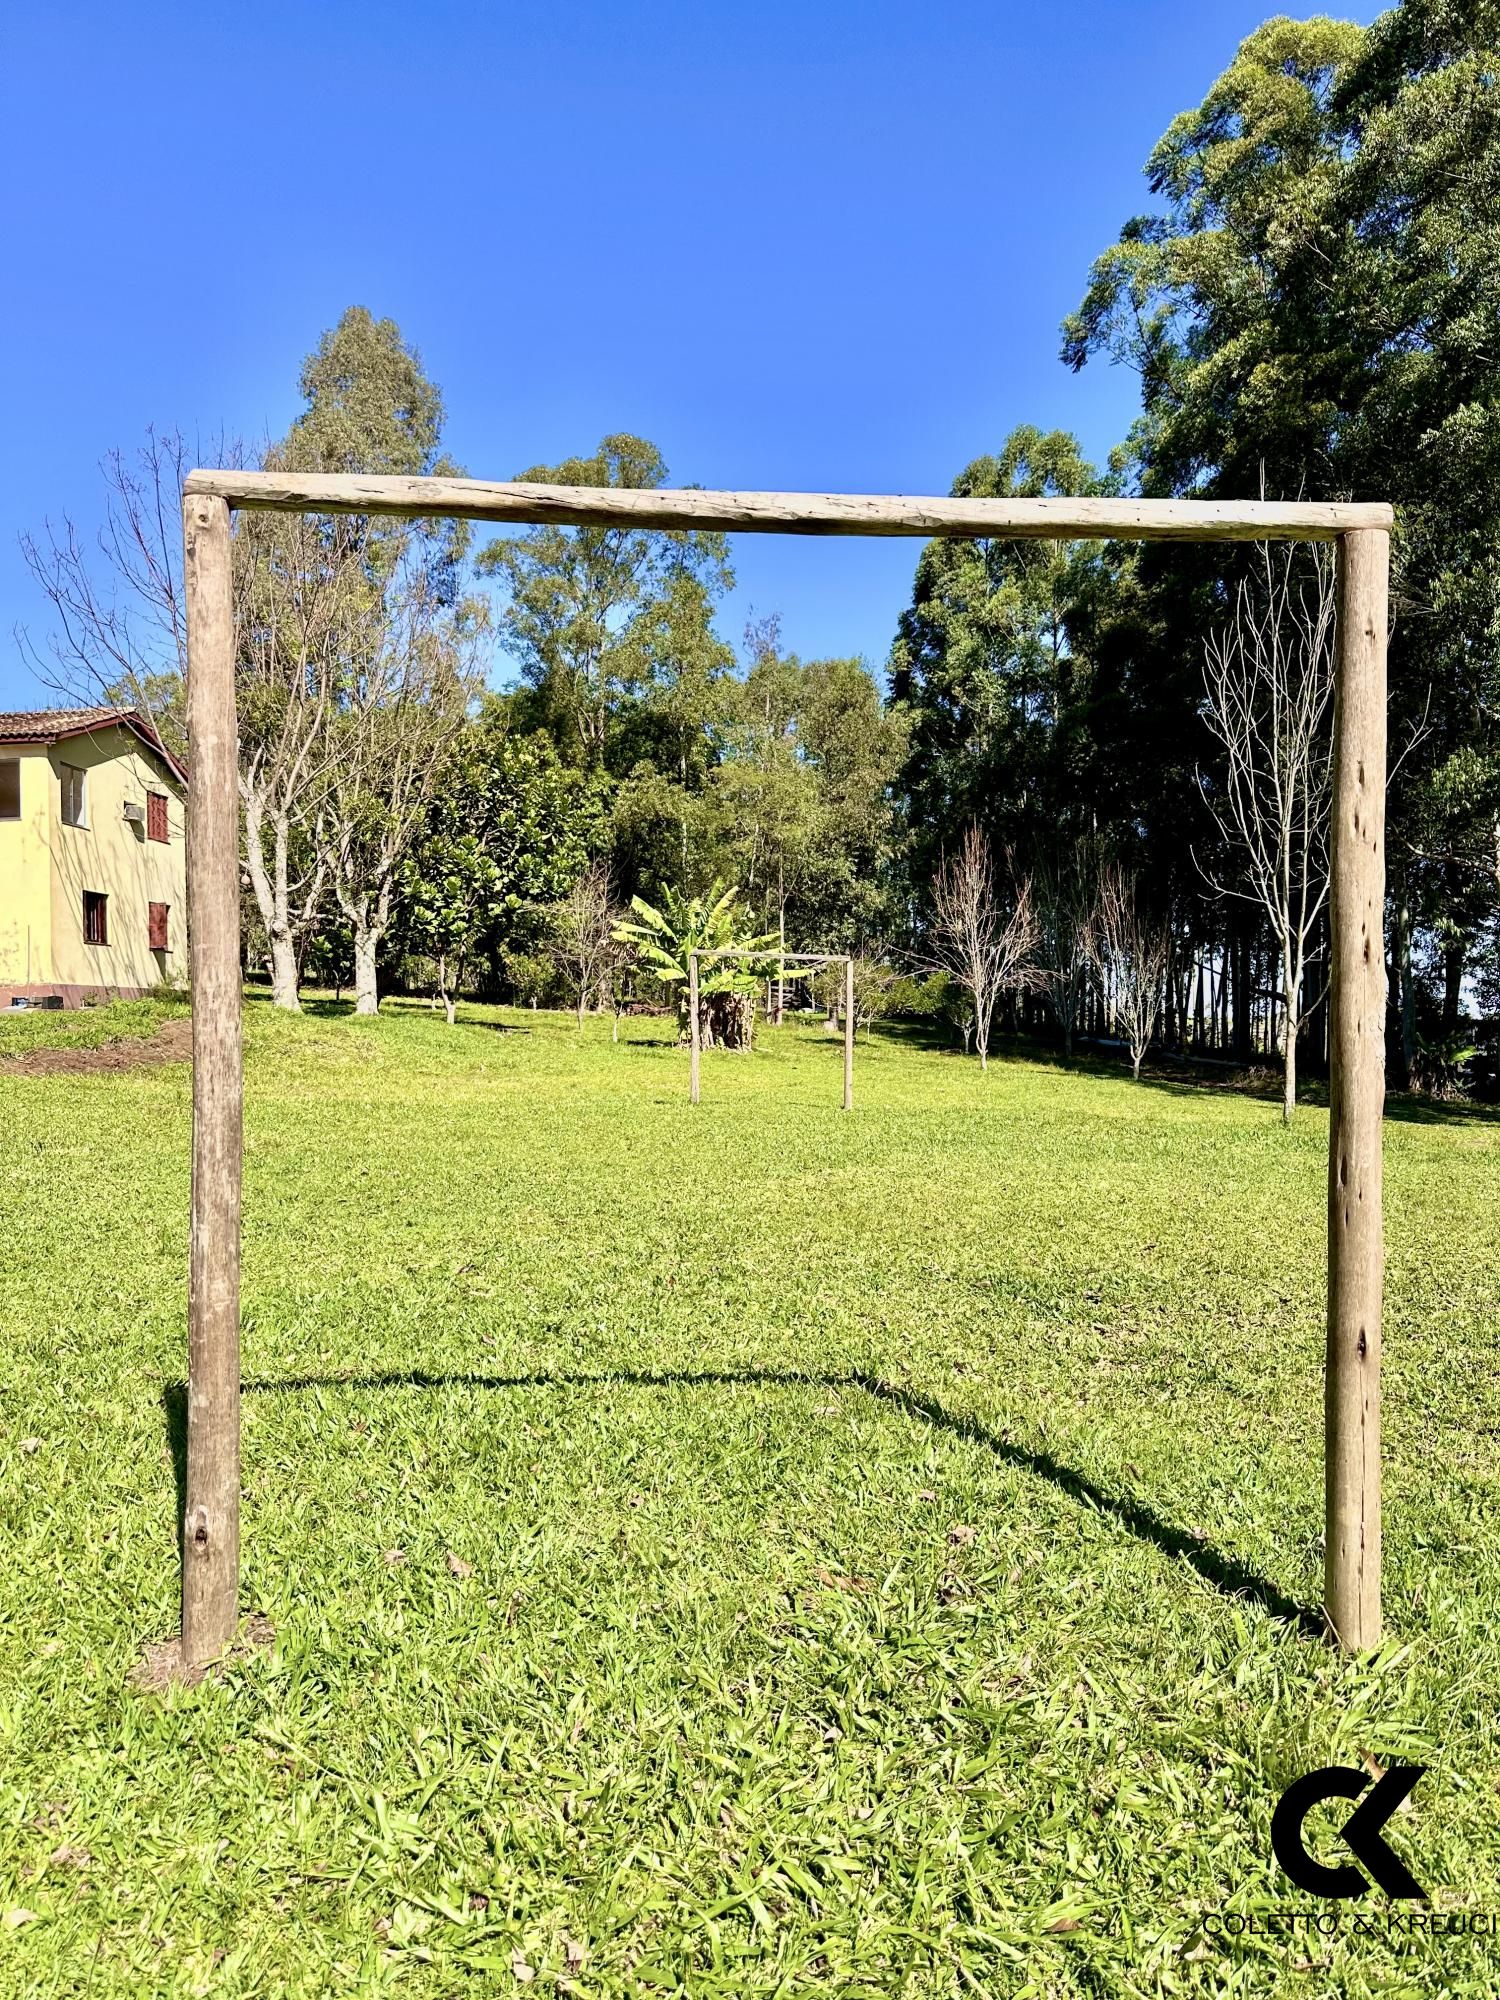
[(1356, 1255), (804, 960)]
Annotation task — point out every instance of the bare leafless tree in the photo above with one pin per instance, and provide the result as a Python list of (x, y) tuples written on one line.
[(873, 979), (119, 633), (1133, 951), (1067, 906), (1268, 679), (982, 938), (402, 695), (119, 637), (584, 941), (299, 596)]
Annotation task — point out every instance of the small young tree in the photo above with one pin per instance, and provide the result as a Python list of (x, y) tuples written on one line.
[(874, 979), (452, 894), (980, 939), (1268, 678), (584, 940), (531, 974), (1133, 952)]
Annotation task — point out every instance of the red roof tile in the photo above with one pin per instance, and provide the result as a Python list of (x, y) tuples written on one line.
[(53, 725)]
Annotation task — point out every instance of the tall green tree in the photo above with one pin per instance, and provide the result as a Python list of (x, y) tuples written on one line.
[(411, 660), (575, 596), (677, 693), (1313, 305), (508, 831), (985, 665)]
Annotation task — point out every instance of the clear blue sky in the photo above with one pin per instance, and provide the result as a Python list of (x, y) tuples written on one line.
[(818, 246)]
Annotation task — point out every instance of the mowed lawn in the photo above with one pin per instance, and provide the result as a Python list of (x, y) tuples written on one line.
[(745, 1550)]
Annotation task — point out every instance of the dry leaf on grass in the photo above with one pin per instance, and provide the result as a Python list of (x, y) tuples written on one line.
[(831, 1582), (458, 1566)]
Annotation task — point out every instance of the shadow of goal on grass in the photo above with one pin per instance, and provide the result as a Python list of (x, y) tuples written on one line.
[(1227, 1574)]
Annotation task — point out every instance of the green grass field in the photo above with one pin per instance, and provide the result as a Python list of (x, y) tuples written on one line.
[(741, 1551)]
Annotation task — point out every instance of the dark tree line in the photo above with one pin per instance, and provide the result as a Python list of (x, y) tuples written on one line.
[(1312, 308)]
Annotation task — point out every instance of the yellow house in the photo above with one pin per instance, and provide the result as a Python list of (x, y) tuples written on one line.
[(93, 866)]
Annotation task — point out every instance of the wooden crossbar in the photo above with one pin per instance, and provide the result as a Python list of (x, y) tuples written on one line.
[(527, 503)]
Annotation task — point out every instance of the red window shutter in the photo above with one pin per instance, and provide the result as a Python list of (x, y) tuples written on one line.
[(158, 920), (156, 815)]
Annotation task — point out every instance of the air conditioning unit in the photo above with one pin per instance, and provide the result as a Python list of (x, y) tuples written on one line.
[(136, 814)]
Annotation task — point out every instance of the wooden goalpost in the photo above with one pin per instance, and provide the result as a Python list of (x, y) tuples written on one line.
[(1356, 1254), (808, 960)]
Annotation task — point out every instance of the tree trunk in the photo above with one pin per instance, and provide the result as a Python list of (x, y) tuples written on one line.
[(284, 973), (366, 989), (1243, 1047), (269, 886), (1408, 991), (1291, 1008), (1453, 978)]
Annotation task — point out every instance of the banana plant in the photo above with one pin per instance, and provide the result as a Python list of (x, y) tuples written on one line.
[(663, 938)]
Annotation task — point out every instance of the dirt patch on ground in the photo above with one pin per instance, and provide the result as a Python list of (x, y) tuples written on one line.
[(171, 1043), (162, 1666)]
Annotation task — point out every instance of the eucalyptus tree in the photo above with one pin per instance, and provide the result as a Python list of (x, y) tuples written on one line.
[(573, 596), (767, 789), (983, 663), (1312, 304), (676, 695), (411, 661)]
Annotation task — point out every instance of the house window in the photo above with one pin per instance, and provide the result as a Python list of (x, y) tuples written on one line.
[(157, 917), (95, 917), (74, 805), (156, 817), (10, 788)]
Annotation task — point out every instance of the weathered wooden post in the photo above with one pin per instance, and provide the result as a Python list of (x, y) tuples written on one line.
[(693, 1027), (211, 1515), (1356, 1096), (848, 1034)]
